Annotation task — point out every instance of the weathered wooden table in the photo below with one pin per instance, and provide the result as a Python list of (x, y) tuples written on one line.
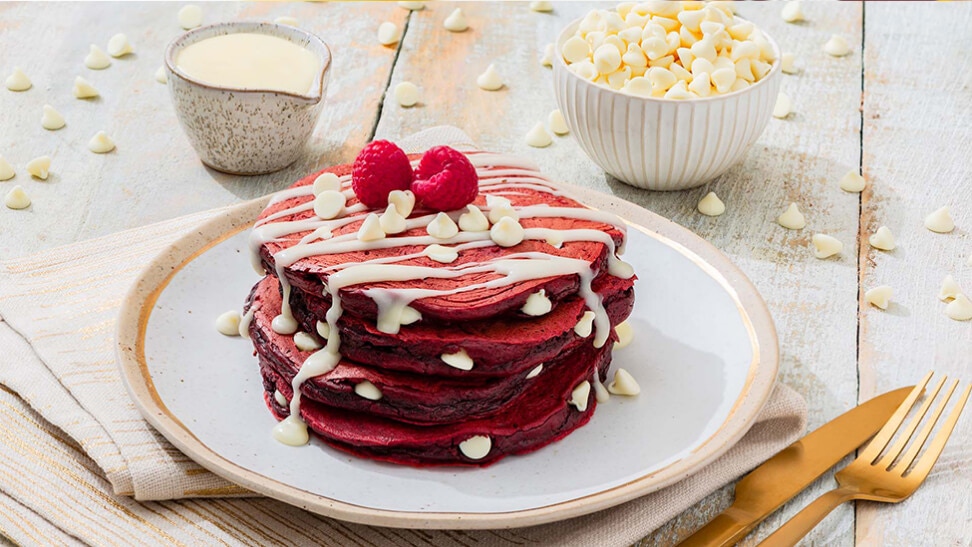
[(899, 107)]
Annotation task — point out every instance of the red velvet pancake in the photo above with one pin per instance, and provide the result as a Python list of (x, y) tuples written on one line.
[(538, 417), (310, 274)]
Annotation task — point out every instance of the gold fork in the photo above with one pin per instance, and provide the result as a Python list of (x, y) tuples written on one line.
[(887, 478)]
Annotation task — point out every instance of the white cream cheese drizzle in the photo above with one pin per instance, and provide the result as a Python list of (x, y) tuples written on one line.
[(393, 304)]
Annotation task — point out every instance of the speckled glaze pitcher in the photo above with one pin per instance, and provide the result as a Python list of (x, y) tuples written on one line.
[(246, 131)]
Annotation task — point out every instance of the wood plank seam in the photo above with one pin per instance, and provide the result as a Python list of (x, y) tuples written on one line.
[(391, 73)]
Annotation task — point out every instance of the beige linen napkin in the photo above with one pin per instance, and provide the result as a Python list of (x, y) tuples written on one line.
[(75, 450)]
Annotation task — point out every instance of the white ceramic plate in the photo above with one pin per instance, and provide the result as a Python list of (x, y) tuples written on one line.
[(705, 354)]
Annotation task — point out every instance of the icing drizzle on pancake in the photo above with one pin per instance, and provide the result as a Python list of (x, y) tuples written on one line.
[(511, 179)]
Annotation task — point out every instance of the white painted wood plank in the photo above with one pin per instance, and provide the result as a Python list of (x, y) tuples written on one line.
[(153, 174), (799, 159), (917, 158)]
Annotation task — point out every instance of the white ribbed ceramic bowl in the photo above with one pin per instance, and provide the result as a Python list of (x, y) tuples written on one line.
[(663, 144)]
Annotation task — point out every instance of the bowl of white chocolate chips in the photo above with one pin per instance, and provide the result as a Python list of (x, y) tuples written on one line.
[(666, 95)]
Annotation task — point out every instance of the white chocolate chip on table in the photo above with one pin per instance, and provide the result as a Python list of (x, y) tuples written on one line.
[(161, 76), (624, 384), (18, 81), (190, 17), (6, 170), (97, 59), (17, 198), (538, 137), (407, 94), (950, 289), (783, 106), (490, 80), (548, 55), (826, 246), (852, 182), (940, 221), (39, 167), (792, 12), (792, 218), (101, 143), (557, 123), (882, 239), (119, 46), (51, 119), (83, 89), (456, 21), (412, 6), (879, 296), (389, 33), (788, 63), (287, 20), (228, 323), (711, 205), (959, 309), (541, 7), (837, 46)]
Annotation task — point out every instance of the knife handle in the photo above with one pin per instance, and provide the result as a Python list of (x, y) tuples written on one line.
[(727, 528)]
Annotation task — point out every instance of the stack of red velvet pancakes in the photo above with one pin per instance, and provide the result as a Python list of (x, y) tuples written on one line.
[(437, 337)]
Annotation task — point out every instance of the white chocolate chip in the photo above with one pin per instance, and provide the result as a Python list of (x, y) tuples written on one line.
[(940, 221), (607, 58), (368, 391), (580, 395), (585, 325), (282, 324), (537, 304), (18, 81), (967, 262), (391, 221), (323, 329), (407, 94), (190, 17), (228, 323), (473, 220), (389, 33), (500, 207), (476, 447), (548, 55), (625, 334), (541, 7), (639, 86), (119, 46), (783, 106), (456, 21), (370, 229), (442, 227), (879, 296), (624, 384), (39, 167), (96, 59), (287, 20), (788, 63), (959, 309), (680, 91), (792, 218), (101, 143), (950, 289), (161, 76), (852, 182), (490, 80), (409, 315), (306, 342), (534, 372), (329, 204), (711, 205), (837, 46), (441, 253), (585, 69), (17, 198), (279, 397), (882, 239), (826, 246), (723, 78), (83, 89), (557, 123), (507, 232), (792, 12), (51, 120), (575, 49), (538, 137), (6, 170), (412, 6), (403, 200), (459, 360), (326, 181)]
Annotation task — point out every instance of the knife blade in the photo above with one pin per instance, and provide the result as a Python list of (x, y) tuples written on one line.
[(786, 474)]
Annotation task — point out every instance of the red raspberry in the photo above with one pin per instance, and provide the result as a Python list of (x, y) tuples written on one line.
[(445, 180), (380, 167)]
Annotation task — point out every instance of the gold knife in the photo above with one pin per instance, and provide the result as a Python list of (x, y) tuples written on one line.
[(783, 476)]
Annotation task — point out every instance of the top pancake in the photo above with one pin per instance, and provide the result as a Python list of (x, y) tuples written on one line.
[(311, 274)]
